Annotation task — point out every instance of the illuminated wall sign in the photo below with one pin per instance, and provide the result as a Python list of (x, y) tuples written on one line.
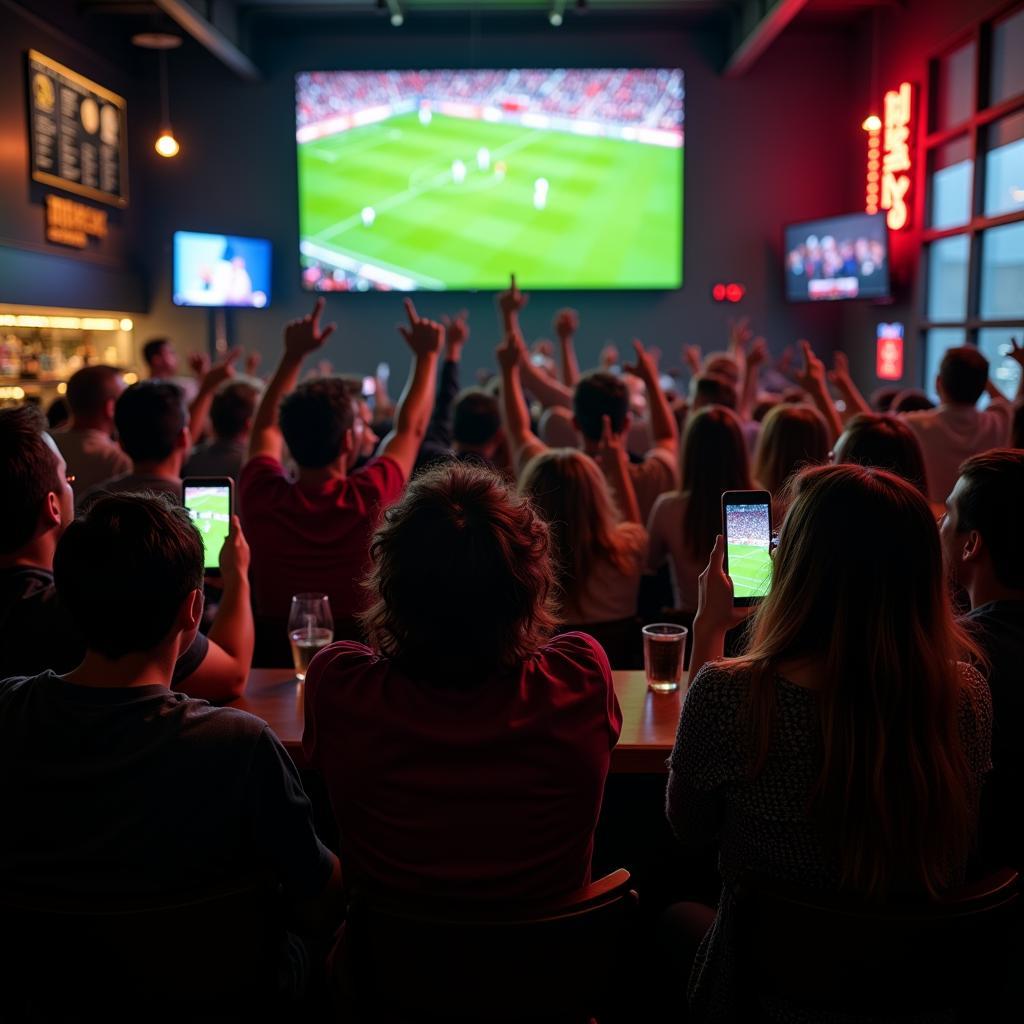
[(872, 192), (896, 160), (889, 352), (72, 223)]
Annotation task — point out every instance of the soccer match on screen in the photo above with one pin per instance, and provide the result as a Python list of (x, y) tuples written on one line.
[(749, 550), (451, 179), (208, 508)]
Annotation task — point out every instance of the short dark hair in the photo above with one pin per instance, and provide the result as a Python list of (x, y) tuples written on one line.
[(152, 348), (28, 472), (963, 374), (314, 419), (122, 569), (885, 442), (486, 553), (713, 389), (600, 394), (911, 400), (990, 502), (475, 417), (90, 388), (149, 417), (233, 406)]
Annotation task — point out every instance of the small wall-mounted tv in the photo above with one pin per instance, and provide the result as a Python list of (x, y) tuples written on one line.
[(837, 258), (221, 270)]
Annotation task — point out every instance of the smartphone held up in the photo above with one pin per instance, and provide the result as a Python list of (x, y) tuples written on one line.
[(210, 503), (747, 529)]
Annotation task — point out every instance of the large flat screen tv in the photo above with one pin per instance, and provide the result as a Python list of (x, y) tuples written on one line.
[(838, 258), (453, 179), (221, 270)]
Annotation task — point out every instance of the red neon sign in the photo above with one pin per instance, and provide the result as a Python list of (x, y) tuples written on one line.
[(896, 162), (889, 358)]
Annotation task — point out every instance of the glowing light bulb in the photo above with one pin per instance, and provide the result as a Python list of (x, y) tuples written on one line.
[(167, 145), (872, 123)]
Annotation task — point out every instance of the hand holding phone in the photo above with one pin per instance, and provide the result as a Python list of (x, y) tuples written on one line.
[(210, 502), (747, 528)]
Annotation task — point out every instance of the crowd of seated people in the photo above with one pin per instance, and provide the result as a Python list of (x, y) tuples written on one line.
[(862, 737)]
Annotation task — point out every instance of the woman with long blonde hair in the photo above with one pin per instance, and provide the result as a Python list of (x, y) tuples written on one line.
[(845, 749), (792, 438)]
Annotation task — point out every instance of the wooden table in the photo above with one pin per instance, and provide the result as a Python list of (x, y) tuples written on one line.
[(648, 719)]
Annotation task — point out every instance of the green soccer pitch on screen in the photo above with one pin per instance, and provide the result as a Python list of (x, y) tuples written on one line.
[(449, 180), (210, 510)]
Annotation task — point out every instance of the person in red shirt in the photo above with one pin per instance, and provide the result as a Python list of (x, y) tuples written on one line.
[(464, 753), (312, 532)]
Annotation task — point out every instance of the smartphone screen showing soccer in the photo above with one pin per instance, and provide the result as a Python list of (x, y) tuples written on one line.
[(748, 540), (210, 509)]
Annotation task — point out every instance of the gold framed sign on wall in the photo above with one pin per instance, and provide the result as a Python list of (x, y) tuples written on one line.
[(78, 132)]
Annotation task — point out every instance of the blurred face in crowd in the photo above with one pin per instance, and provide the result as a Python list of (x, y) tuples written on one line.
[(165, 361), (65, 496)]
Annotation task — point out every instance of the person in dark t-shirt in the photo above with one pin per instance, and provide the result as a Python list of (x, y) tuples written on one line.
[(112, 785), (983, 547)]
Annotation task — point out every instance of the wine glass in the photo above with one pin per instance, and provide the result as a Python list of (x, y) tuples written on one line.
[(310, 627)]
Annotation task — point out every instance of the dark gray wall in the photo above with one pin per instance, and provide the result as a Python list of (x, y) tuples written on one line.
[(771, 147)]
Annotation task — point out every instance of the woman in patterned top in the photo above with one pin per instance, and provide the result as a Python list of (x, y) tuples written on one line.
[(845, 751)]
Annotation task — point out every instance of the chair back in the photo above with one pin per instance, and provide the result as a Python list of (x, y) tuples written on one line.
[(201, 949), (548, 962), (831, 953)]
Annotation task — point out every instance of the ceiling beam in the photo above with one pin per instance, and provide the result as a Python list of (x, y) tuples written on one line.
[(208, 35), (759, 24)]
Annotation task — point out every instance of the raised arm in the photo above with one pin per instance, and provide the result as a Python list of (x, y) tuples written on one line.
[(1016, 353), (300, 338), (510, 304), (212, 379), (663, 423), (614, 463), (549, 392), (567, 323), (412, 414), (223, 673), (439, 432), (522, 442), (812, 379), (843, 381), (751, 378)]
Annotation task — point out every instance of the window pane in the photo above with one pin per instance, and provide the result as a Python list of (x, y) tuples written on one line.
[(947, 278), (1004, 166), (954, 93), (936, 342), (994, 343), (1007, 68), (951, 184), (1002, 271)]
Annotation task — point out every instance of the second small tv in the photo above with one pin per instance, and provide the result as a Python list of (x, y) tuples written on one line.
[(837, 258), (221, 270)]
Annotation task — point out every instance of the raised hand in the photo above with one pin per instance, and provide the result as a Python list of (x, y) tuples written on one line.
[(510, 352), (840, 372), (645, 367), (1016, 353), (567, 323), (200, 363), (423, 336), (715, 609), (253, 359), (456, 331), (740, 334), (305, 335), (221, 371), (812, 374), (693, 357), (758, 354), (512, 301)]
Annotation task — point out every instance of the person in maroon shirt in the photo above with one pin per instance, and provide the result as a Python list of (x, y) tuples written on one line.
[(464, 753), (312, 532)]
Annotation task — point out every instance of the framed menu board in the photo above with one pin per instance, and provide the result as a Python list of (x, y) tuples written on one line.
[(78, 132)]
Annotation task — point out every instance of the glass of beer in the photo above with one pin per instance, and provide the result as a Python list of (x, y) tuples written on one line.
[(310, 627), (664, 644)]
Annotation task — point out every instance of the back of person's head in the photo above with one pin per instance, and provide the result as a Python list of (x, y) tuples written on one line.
[(571, 493), (711, 389), (764, 406), (858, 587), (462, 582), (721, 364), (124, 568), (882, 398), (92, 388), (792, 437), (475, 417), (150, 417), (315, 420), (912, 400), (988, 498), (600, 394), (714, 459), (28, 472), (233, 408), (963, 374), (153, 350), (57, 413), (885, 442)]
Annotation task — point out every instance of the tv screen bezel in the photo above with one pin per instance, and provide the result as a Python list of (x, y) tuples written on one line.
[(220, 234), (528, 285), (885, 299)]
